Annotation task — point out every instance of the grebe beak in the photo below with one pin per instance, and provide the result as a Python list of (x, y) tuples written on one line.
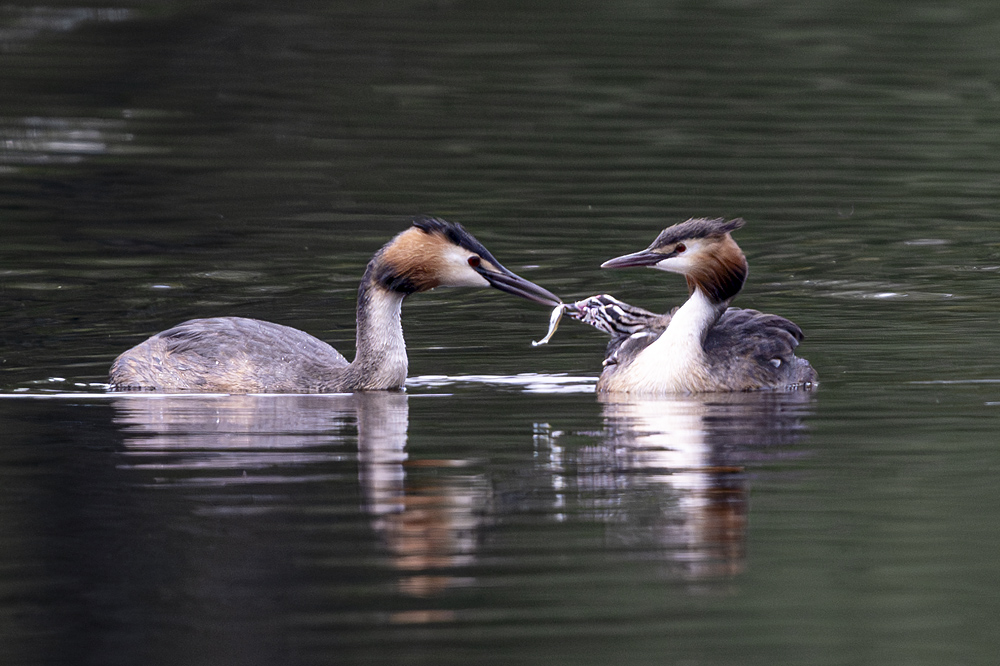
[(641, 258), (504, 280)]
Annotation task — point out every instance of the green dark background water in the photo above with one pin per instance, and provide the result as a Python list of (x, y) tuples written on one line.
[(161, 161)]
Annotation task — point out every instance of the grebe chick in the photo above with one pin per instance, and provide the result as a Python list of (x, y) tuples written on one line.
[(704, 345), (238, 355)]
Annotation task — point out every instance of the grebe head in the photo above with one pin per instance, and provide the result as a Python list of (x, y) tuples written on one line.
[(701, 250), (435, 253)]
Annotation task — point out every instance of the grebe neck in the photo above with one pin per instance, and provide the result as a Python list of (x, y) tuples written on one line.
[(690, 323), (380, 360)]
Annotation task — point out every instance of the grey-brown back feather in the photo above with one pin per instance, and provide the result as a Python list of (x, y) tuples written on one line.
[(215, 354), (751, 348)]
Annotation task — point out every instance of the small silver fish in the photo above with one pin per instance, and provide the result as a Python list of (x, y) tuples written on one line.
[(557, 313)]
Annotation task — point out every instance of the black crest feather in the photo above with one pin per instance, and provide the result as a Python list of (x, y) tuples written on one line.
[(697, 228)]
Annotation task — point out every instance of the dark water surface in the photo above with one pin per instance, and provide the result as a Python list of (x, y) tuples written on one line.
[(161, 161)]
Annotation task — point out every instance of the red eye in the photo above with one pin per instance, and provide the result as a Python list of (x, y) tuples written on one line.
[(680, 248), (474, 261)]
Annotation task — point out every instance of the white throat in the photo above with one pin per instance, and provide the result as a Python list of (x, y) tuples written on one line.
[(676, 363)]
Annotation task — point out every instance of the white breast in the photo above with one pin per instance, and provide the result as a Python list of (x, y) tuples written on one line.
[(675, 363)]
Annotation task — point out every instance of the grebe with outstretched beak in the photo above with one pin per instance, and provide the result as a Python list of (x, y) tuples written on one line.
[(238, 355)]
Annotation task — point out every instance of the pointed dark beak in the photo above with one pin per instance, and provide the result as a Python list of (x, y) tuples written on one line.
[(642, 258), (504, 280)]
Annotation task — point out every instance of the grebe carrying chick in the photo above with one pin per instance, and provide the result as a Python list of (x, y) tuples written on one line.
[(704, 345), (238, 355)]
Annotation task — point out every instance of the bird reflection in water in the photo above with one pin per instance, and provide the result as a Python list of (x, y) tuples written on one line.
[(271, 491), (266, 450), (669, 474), (430, 525)]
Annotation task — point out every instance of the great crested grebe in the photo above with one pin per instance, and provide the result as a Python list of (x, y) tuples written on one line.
[(237, 355), (704, 345)]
